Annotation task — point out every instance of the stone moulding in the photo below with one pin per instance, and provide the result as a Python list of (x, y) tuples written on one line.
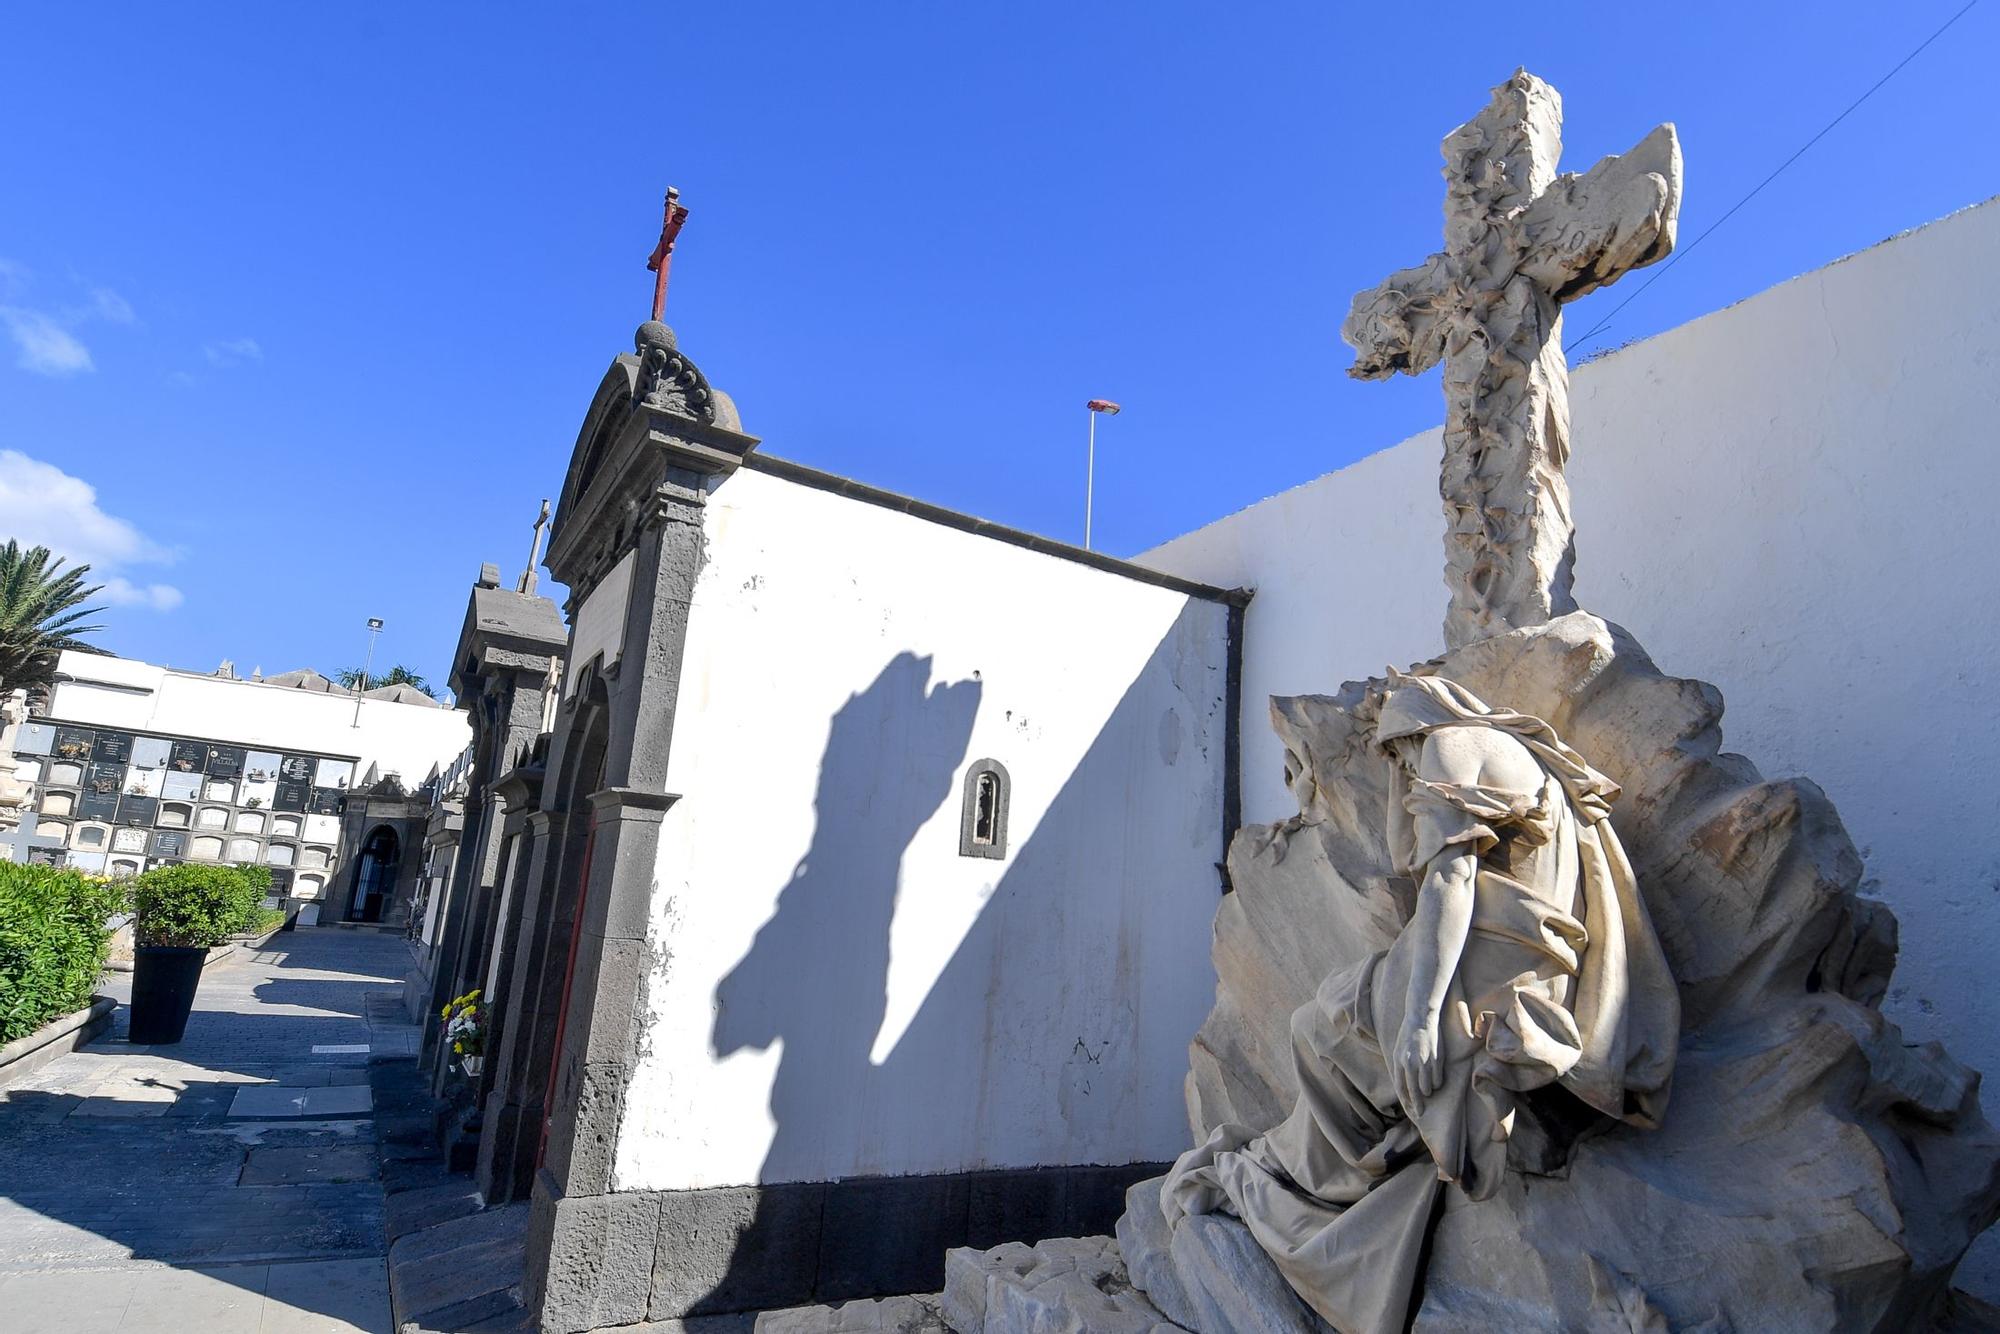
[(628, 446), (1813, 1171)]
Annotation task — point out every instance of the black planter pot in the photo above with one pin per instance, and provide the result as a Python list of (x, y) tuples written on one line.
[(164, 978)]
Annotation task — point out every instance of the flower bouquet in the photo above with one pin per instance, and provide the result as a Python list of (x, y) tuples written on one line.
[(465, 1030)]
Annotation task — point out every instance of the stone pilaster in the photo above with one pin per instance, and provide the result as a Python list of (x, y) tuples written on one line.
[(650, 451)]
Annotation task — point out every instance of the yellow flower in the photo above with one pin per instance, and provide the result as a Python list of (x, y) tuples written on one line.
[(458, 1048)]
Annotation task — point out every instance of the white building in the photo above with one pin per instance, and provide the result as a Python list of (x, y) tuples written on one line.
[(135, 764)]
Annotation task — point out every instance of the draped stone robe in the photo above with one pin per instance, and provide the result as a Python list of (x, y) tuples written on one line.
[(1561, 981)]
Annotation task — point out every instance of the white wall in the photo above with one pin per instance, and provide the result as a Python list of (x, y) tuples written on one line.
[(1792, 498), (840, 993), (404, 739)]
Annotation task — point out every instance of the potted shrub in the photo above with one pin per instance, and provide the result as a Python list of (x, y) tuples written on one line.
[(465, 1030), (179, 914)]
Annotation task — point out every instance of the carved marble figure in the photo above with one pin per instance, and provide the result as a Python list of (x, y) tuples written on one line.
[(1528, 961), (1448, 967)]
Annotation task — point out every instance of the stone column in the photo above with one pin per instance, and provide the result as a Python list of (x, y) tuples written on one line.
[(657, 437), (517, 1068), (574, 1207), (502, 660)]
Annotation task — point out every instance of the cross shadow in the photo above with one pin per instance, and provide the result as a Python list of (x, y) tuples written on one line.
[(816, 978), (976, 1079)]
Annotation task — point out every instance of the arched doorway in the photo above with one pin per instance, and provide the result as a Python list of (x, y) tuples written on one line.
[(374, 875)]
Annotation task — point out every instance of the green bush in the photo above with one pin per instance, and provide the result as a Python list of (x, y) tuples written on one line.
[(262, 919), (192, 905), (53, 937), (258, 878)]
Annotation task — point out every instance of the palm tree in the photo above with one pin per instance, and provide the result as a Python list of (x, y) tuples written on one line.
[(399, 675), (41, 614)]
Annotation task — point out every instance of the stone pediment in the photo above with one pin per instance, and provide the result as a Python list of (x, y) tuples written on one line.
[(654, 414)]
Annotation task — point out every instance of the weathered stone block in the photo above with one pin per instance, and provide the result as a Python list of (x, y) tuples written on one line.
[(595, 1254), (737, 1248), (889, 1235)]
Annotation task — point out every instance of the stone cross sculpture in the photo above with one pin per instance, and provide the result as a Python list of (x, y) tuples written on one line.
[(1519, 242)]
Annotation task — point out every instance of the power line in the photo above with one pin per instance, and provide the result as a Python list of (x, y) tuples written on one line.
[(1688, 249)]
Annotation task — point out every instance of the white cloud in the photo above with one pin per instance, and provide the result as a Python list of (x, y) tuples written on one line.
[(45, 339), (232, 352), (41, 345), (122, 592), (41, 505), (108, 305)]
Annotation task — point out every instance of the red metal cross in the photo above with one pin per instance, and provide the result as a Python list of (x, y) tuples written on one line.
[(663, 254)]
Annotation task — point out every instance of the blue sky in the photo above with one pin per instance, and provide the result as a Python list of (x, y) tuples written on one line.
[(303, 307)]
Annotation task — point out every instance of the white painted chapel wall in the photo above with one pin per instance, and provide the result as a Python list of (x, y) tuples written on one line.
[(1792, 498), (839, 992)]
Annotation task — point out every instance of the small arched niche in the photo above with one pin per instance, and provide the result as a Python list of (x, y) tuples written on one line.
[(982, 828)]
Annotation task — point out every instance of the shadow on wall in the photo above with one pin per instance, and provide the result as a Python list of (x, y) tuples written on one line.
[(817, 976), (816, 980)]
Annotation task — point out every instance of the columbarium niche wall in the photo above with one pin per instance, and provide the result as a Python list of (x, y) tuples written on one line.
[(146, 800)]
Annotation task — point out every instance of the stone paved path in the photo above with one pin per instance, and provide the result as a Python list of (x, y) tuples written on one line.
[(229, 1182)]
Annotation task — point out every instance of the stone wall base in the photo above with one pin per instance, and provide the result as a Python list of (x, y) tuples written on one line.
[(601, 1260)]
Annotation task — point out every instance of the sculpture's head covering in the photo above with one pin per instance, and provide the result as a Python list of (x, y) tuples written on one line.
[(1419, 705)]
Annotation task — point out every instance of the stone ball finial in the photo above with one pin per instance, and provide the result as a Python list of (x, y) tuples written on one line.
[(653, 334)]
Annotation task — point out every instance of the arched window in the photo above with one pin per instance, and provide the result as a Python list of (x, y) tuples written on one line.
[(982, 830)]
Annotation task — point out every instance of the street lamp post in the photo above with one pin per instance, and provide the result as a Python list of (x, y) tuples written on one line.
[(1097, 406), (374, 629)]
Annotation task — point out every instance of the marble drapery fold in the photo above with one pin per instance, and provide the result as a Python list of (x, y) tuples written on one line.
[(1560, 981)]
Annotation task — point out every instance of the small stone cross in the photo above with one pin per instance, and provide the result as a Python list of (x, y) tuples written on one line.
[(1519, 242), (527, 584), (662, 257)]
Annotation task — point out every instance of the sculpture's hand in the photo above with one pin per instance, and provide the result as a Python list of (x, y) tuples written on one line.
[(1419, 1064)]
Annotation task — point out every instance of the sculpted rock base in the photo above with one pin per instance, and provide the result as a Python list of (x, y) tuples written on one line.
[(1209, 1273), (1072, 1285), (1813, 1172)]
